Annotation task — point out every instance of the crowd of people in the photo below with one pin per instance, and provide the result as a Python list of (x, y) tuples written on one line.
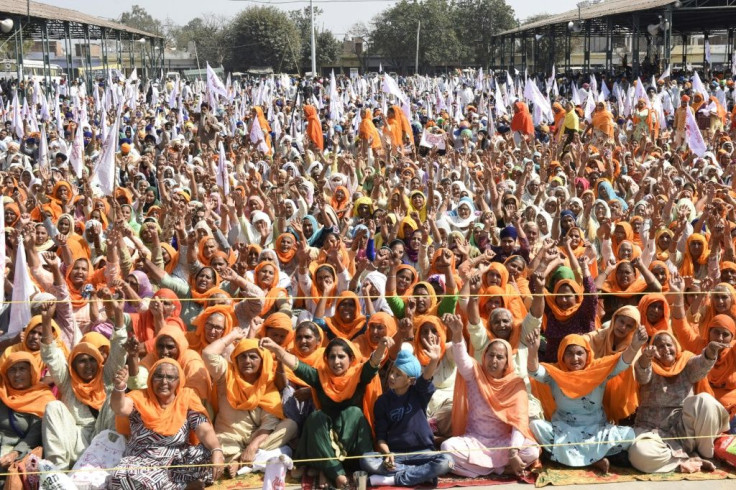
[(422, 272)]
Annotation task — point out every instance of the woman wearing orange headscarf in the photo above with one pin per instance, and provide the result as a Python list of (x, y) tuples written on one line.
[(490, 409), (297, 396), (522, 122), (84, 380), (625, 284), (23, 400), (345, 390), (560, 114), (266, 276), (602, 122), (164, 309), (30, 342), (369, 135), (655, 313), (498, 275), (250, 416), (314, 127), (378, 326), (348, 321), (675, 403), (578, 382), (213, 323), (695, 260), (265, 127), (397, 127), (171, 342), (721, 301), (340, 201), (164, 423), (619, 400)]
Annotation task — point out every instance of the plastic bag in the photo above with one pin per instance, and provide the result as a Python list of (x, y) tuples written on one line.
[(275, 476), (52, 479), (104, 452), (725, 448)]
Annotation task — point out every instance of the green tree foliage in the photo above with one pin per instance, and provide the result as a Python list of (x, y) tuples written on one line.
[(327, 46), (262, 37), (208, 35), (452, 32), (139, 18)]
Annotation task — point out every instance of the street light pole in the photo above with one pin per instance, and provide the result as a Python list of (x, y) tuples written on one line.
[(314, 47), (416, 59)]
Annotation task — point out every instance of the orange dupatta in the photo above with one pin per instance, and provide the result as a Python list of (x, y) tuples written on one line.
[(314, 127), (340, 328), (284, 257), (611, 285), (91, 393), (722, 377), (163, 421), (687, 268), (506, 397), (363, 341), (272, 292), (441, 333), (367, 130), (32, 400), (682, 357), (661, 326), (197, 339), (243, 395)]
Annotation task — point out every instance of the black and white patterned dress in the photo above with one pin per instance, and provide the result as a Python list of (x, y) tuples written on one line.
[(146, 451)]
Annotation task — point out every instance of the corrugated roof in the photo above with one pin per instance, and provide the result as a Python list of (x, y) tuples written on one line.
[(45, 11), (593, 11)]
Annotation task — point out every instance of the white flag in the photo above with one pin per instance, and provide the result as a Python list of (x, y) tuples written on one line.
[(214, 84), (20, 311), (256, 136), (43, 149), (222, 177), (500, 106), (640, 93), (105, 169), (698, 86), (17, 121), (664, 75), (694, 136), (76, 156), (707, 51)]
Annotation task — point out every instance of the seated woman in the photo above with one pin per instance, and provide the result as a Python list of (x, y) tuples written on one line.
[(501, 325), (669, 408), (23, 400), (625, 283), (578, 382), (345, 389), (348, 321), (164, 309), (30, 342), (296, 396), (250, 417), (721, 329), (490, 410), (171, 342), (213, 323), (83, 379), (164, 424)]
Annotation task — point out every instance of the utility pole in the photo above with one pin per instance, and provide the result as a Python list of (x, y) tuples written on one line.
[(314, 47), (416, 59)]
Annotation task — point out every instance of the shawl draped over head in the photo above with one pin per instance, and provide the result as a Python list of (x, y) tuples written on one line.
[(143, 325), (522, 120), (340, 328), (314, 127), (263, 393), (682, 357), (506, 396), (91, 393), (33, 399), (198, 338), (441, 333)]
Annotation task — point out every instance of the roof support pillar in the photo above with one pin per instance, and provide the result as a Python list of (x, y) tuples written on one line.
[(503, 52), (684, 50), (535, 53), (131, 55), (586, 48), (609, 45), (120, 51), (103, 42), (729, 48), (512, 55), (45, 49), (494, 41), (552, 52), (667, 38), (706, 65), (635, 35), (524, 49), (88, 60), (568, 42), (19, 49), (69, 55)]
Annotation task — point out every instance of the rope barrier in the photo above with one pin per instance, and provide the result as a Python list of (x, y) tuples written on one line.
[(355, 457), (438, 296)]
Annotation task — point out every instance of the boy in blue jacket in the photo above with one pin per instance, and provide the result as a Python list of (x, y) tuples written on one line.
[(401, 426)]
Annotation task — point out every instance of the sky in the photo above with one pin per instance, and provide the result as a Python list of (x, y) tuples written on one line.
[(338, 17)]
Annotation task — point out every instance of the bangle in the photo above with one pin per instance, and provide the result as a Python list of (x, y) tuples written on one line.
[(119, 390), (216, 449)]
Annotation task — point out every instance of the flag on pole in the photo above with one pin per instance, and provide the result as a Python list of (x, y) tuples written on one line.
[(640, 93), (43, 149), (698, 85), (20, 311), (17, 121), (256, 136), (105, 169), (665, 74), (694, 136), (76, 156), (222, 177)]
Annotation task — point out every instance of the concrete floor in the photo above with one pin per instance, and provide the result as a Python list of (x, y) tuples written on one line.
[(639, 485)]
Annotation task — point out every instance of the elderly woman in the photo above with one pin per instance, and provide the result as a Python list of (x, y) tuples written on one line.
[(490, 410), (579, 433), (160, 422), (83, 379), (250, 416), (23, 400), (345, 389), (674, 404)]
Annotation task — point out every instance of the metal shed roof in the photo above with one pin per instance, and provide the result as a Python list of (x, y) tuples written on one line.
[(49, 12), (594, 11)]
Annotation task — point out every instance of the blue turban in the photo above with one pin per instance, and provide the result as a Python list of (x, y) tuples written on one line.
[(409, 364), (509, 231), (567, 212)]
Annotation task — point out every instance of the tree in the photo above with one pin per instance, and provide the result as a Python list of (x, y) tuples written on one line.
[(476, 22), (139, 18), (208, 35), (394, 34), (264, 37), (327, 46)]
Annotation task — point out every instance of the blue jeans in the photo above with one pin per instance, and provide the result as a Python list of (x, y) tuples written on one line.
[(410, 469)]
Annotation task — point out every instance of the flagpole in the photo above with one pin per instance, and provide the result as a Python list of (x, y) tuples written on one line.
[(314, 47)]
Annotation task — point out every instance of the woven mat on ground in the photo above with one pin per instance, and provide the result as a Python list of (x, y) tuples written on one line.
[(555, 474), (251, 480), (451, 481)]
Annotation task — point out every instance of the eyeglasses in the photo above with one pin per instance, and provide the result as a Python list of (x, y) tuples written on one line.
[(164, 377), (211, 326)]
